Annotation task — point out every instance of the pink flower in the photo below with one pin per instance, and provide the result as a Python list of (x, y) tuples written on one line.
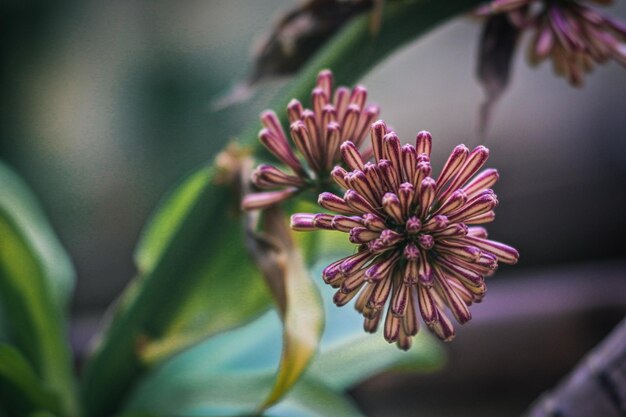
[(317, 133), (420, 247)]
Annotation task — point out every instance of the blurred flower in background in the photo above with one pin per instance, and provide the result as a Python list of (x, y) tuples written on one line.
[(572, 34)]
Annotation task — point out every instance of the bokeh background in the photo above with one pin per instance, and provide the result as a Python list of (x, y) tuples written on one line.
[(106, 105)]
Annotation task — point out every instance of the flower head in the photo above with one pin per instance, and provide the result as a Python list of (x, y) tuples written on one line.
[(336, 117), (420, 248), (572, 34)]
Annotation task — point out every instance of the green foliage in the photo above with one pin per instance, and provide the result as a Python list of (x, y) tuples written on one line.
[(21, 390), (196, 279), (231, 374), (36, 279)]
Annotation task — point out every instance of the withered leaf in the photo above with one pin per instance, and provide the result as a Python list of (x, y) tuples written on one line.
[(497, 44), (300, 33), (298, 300)]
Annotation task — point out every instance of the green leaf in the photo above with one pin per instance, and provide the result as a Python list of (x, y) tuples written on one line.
[(36, 278), (19, 203), (196, 280), (21, 390)]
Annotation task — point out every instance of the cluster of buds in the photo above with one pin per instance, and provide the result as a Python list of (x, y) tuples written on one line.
[(420, 249), (336, 117), (572, 34)]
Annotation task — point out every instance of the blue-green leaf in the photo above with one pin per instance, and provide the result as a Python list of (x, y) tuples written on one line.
[(311, 398), (347, 363), (231, 374), (195, 378)]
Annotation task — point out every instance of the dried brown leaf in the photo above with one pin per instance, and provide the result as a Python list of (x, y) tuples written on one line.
[(270, 242), (300, 32), (497, 45)]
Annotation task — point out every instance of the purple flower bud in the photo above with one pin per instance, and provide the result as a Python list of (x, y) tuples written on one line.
[(266, 199), (323, 221), (333, 203), (426, 241), (413, 225), (345, 224), (378, 132), (374, 222), (391, 204), (424, 142), (351, 156), (303, 222)]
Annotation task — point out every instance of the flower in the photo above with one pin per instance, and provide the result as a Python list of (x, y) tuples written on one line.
[(317, 134), (416, 249), (572, 34)]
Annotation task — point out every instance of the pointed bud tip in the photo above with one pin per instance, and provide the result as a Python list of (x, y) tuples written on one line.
[(267, 114), (325, 73), (347, 144), (424, 134)]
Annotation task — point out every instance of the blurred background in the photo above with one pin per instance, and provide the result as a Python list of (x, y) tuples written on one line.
[(107, 105)]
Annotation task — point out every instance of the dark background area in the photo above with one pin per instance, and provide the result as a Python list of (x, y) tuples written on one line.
[(106, 105)]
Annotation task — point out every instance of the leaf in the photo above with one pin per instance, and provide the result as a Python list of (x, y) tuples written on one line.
[(231, 374), (18, 202), (296, 295), (343, 365), (36, 279), (311, 398), (196, 280), (194, 378), (21, 390)]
